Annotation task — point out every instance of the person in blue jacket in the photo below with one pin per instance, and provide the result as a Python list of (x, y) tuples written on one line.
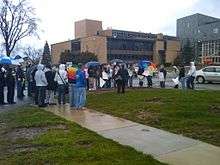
[(80, 88)]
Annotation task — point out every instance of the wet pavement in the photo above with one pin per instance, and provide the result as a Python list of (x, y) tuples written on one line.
[(164, 146), (25, 101)]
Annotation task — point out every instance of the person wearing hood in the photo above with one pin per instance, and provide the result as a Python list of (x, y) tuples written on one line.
[(41, 84), (62, 81), (191, 76)]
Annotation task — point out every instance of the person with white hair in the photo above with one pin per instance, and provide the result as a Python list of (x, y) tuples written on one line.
[(41, 84), (191, 76), (62, 81)]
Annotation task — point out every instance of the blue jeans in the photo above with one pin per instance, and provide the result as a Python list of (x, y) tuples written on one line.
[(80, 97), (72, 95), (183, 82)]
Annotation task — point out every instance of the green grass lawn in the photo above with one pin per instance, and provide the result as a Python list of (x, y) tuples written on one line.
[(194, 114), (33, 136)]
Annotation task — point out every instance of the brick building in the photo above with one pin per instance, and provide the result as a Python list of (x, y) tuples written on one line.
[(118, 44)]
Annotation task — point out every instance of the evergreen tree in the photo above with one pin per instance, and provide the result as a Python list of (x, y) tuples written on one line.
[(187, 53), (46, 59)]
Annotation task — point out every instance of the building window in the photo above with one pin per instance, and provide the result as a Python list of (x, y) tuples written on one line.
[(215, 30)]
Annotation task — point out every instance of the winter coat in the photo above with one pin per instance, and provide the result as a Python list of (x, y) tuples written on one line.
[(10, 79), (61, 75), (40, 77), (50, 75), (182, 73), (123, 73), (192, 70), (20, 74), (80, 79)]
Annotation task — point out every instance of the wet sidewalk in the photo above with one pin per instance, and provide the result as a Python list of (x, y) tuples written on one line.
[(164, 146)]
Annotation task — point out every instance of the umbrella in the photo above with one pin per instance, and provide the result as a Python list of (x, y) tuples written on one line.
[(92, 63), (143, 64), (17, 57), (5, 60), (15, 62)]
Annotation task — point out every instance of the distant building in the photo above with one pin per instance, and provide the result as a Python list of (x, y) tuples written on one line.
[(204, 34), (118, 44)]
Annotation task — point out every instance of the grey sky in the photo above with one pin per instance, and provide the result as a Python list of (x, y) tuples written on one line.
[(155, 16)]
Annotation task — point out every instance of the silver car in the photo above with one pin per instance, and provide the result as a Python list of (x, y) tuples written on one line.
[(208, 74)]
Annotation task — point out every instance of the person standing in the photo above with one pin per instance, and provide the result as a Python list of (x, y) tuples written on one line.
[(149, 77), (71, 74), (182, 77), (122, 77), (61, 79), (10, 82), (20, 82), (130, 73), (2, 85), (192, 75), (163, 72), (80, 88), (41, 84), (51, 87), (161, 78)]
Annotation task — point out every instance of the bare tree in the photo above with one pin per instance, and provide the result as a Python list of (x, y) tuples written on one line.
[(32, 54), (17, 21)]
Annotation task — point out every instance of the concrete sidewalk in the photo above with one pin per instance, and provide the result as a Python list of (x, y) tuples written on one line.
[(164, 146)]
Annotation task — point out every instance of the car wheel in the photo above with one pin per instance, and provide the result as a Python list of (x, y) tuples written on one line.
[(200, 79)]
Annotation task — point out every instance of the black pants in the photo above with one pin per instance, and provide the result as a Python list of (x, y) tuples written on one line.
[(1, 95), (121, 86), (40, 95), (10, 94), (61, 94), (149, 81), (162, 84)]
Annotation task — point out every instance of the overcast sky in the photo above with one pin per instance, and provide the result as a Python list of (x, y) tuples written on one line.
[(155, 16)]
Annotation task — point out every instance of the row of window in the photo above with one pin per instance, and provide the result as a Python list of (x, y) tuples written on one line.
[(115, 44), (125, 34), (128, 57)]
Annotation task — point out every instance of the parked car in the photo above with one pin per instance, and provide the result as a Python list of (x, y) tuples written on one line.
[(208, 74)]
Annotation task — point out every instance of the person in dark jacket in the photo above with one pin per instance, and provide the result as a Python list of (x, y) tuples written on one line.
[(121, 79), (163, 70), (2, 84), (182, 77), (10, 82), (51, 87), (20, 82)]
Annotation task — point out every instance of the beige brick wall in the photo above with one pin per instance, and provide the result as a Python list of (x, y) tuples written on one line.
[(173, 48), (86, 28), (159, 45), (57, 49), (97, 45)]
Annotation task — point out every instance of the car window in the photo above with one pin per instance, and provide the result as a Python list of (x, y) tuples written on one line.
[(209, 70), (217, 70)]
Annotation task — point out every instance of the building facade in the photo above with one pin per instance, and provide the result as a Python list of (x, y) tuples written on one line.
[(204, 34), (113, 44)]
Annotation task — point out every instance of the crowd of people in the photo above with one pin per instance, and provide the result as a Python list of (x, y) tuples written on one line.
[(44, 82)]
